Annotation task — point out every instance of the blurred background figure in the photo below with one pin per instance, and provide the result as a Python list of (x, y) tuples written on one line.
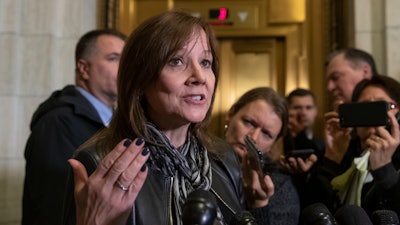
[(376, 185), (300, 136), (302, 114), (344, 69), (65, 120)]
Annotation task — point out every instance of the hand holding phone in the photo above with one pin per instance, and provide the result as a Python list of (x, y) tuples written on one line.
[(300, 153), (255, 156), (389, 125)]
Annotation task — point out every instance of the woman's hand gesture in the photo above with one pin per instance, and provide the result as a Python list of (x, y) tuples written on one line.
[(107, 196)]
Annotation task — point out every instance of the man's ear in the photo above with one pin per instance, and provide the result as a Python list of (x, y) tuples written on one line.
[(367, 71), (83, 69)]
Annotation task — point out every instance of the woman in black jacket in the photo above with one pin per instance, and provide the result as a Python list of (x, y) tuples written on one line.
[(166, 83)]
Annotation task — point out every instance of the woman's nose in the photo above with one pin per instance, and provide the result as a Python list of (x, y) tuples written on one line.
[(254, 134), (197, 76)]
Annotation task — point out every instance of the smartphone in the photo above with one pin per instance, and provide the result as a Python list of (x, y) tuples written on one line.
[(255, 155), (363, 114), (302, 153)]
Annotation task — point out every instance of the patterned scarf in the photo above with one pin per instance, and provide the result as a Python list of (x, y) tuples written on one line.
[(189, 167)]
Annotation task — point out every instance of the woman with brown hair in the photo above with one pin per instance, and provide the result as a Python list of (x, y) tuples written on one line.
[(167, 78)]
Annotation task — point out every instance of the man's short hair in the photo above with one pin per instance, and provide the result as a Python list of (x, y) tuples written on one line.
[(355, 56), (299, 92), (87, 43)]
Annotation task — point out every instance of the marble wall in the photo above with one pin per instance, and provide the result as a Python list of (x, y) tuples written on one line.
[(37, 44), (377, 30)]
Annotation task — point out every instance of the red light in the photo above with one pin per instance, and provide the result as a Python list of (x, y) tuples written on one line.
[(223, 14)]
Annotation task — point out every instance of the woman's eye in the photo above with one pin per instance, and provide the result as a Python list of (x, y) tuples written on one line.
[(113, 59), (267, 135), (176, 62), (247, 122), (206, 63)]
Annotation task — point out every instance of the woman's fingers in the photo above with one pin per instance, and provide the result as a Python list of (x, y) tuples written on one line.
[(112, 189), (138, 182), (122, 171), (270, 186), (257, 186), (108, 163), (122, 164), (136, 173), (394, 127)]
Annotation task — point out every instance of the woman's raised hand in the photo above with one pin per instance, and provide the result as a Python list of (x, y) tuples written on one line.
[(106, 197)]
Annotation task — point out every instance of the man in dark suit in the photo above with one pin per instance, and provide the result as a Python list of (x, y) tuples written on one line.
[(302, 113), (67, 119)]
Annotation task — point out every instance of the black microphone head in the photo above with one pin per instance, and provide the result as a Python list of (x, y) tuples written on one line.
[(385, 217), (317, 214), (352, 215), (243, 218), (200, 208)]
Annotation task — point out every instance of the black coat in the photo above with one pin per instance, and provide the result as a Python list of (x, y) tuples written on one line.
[(382, 193), (153, 204), (60, 124)]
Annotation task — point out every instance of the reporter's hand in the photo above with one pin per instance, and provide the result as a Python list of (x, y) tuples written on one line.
[(383, 144), (298, 165), (258, 188), (100, 198), (336, 138)]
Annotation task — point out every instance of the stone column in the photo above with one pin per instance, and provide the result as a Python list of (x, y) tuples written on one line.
[(377, 30), (37, 42)]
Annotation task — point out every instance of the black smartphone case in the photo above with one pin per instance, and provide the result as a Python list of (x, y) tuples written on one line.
[(363, 114)]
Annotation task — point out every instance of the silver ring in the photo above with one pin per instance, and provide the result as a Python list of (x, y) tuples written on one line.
[(123, 187), (377, 138)]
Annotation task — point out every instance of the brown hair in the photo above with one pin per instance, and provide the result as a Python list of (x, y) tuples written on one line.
[(267, 94), (388, 84), (147, 50)]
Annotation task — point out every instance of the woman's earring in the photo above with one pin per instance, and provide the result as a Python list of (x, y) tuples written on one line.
[(226, 126)]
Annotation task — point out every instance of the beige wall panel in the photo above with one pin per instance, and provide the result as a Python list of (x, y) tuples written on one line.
[(286, 11)]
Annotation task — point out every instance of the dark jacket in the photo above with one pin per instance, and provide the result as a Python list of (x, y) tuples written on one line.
[(382, 193), (301, 142), (60, 124), (284, 205), (153, 204)]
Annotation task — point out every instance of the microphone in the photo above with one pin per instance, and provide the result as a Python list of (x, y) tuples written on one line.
[(200, 208), (385, 217), (352, 215), (317, 214), (243, 218)]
